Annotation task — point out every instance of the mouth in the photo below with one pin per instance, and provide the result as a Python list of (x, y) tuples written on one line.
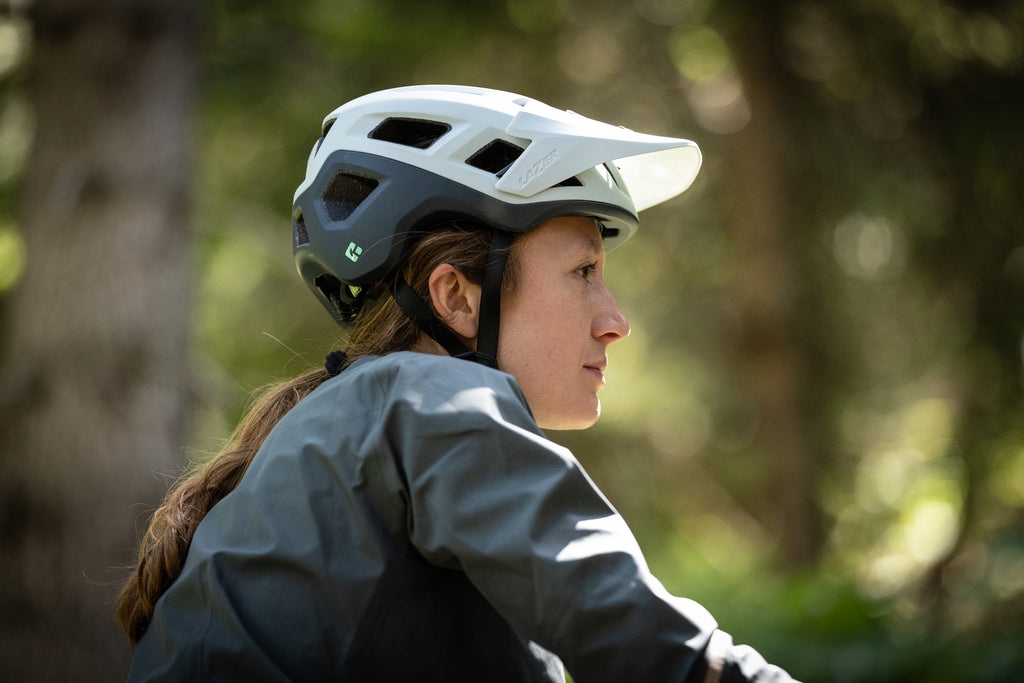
[(597, 369)]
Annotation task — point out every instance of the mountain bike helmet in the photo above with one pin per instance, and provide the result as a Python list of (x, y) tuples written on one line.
[(391, 164)]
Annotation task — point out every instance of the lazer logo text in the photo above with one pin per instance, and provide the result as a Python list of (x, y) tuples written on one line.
[(538, 168)]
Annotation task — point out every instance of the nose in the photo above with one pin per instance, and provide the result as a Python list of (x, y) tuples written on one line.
[(610, 324)]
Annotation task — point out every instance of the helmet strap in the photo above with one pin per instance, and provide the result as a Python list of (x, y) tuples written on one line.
[(419, 312), (490, 299)]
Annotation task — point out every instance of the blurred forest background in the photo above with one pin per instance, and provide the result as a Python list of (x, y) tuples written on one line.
[(816, 428)]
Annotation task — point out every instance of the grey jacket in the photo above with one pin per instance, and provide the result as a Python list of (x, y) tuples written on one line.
[(408, 521)]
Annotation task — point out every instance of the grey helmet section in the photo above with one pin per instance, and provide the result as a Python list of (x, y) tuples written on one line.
[(392, 163)]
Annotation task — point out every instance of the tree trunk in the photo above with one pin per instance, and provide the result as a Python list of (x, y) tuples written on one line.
[(93, 389), (769, 288)]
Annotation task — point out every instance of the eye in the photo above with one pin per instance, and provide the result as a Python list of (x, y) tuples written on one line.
[(587, 271)]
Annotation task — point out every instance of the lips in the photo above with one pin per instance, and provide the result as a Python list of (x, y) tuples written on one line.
[(598, 368)]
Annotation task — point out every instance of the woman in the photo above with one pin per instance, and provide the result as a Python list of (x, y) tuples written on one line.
[(399, 514)]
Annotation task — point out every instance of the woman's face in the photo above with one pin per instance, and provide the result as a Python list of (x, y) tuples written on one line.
[(557, 324)]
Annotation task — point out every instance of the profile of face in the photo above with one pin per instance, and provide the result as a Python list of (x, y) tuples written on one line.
[(557, 324)]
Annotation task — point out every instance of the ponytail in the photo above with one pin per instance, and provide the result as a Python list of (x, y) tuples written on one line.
[(164, 547)]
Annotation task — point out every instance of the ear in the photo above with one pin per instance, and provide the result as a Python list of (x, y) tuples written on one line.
[(456, 300)]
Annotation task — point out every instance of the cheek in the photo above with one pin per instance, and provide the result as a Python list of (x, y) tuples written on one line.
[(544, 324), (537, 374), (531, 365)]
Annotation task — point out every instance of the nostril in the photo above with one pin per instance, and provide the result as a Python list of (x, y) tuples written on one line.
[(614, 328)]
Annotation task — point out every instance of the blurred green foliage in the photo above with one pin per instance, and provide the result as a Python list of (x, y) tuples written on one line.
[(897, 124)]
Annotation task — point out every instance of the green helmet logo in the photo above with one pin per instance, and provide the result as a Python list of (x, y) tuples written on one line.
[(353, 252)]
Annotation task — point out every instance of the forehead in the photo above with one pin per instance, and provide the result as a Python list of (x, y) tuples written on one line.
[(564, 235)]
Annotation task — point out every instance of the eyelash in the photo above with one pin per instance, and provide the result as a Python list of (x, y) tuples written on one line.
[(587, 270)]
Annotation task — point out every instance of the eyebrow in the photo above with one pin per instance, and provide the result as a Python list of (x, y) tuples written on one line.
[(594, 244)]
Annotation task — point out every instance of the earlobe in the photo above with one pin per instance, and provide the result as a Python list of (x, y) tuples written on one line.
[(456, 300)]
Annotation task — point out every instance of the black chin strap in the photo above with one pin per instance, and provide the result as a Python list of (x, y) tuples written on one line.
[(490, 299), (419, 312)]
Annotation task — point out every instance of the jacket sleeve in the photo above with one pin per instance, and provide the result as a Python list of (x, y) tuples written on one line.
[(490, 495)]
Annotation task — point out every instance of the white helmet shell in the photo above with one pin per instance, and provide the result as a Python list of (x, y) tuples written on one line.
[(392, 162)]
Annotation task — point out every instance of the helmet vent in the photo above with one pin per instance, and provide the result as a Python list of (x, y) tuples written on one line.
[(345, 192), (300, 237), (495, 157), (418, 133), (570, 182)]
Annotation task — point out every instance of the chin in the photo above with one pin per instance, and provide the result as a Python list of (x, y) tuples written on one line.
[(566, 422)]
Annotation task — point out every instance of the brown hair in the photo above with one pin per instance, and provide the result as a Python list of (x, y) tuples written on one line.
[(380, 328)]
